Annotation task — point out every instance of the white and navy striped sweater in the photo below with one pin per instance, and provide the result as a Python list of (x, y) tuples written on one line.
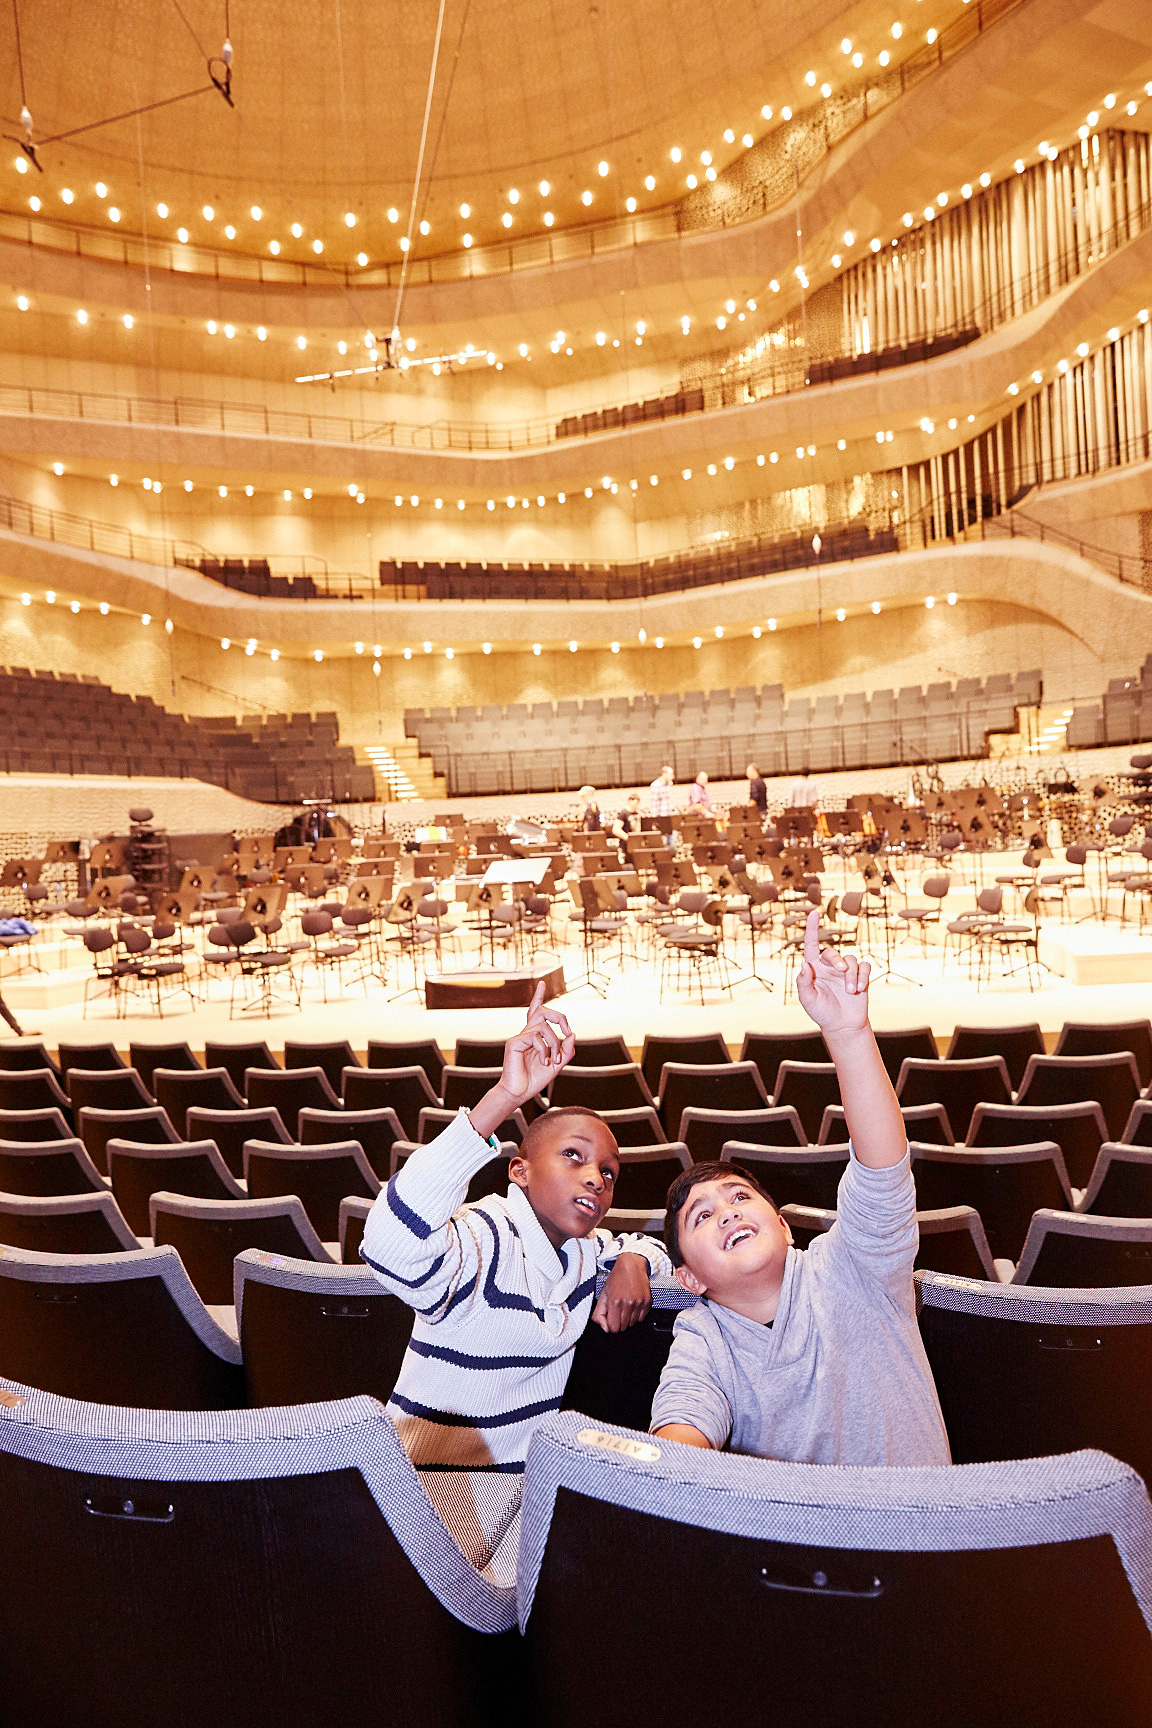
[(498, 1310)]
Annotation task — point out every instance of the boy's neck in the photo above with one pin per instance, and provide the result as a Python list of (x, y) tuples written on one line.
[(758, 1301)]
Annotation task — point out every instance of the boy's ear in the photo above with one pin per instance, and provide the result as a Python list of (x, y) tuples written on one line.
[(518, 1172), (688, 1281)]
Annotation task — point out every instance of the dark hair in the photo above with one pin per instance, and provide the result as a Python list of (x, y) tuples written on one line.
[(538, 1125), (682, 1188)]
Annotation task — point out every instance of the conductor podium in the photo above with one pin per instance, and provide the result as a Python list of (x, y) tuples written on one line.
[(490, 986)]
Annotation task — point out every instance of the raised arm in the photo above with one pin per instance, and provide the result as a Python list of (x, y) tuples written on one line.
[(833, 991), (532, 1059)]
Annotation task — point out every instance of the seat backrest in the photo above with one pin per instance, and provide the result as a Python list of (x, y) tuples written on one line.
[(769, 1049), (477, 1053), (65, 1224), (597, 1052), (1080, 1038), (953, 1240), (614, 1375), (320, 1175), (146, 1058), (194, 1169), (798, 1176), (290, 1092), (809, 1087), (927, 1123), (422, 1052), (1078, 1129), (108, 1089), (210, 1088), (311, 1332), (43, 1167), (208, 1235), (34, 1089), (910, 1041), (405, 1090), (664, 1047), (719, 1086), (96, 1127), (646, 1174), (333, 1058), (354, 1210), (1024, 1372), (331, 1480), (14, 1058), (1121, 1182), (1112, 1079), (90, 1057), (376, 1131), (814, 1573), (238, 1058), (1064, 1250), (231, 1128), (466, 1086), (639, 1126), (705, 1131), (1137, 1129), (1005, 1184), (1014, 1043), (957, 1084), (124, 1329), (45, 1124), (620, 1087), (491, 1178)]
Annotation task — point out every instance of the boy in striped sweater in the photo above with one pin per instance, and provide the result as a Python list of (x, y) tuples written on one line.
[(501, 1289)]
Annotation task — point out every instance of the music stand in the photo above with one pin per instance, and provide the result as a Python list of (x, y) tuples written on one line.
[(405, 904), (753, 890)]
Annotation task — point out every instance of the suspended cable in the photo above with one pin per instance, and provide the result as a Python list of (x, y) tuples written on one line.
[(419, 168)]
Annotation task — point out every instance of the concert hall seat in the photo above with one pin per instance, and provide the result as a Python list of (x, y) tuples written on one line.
[(646, 1174), (769, 1049), (122, 1328), (952, 1238), (1121, 1183), (913, 1041), (836, 1584), (433, 1122), (424, 1052), (1073, 1251), (229, 1129), (146, 1058), (1137, 1129), (354, 1210), (333, 1057), (621, 1087), (405, 1090), (65, 1223), (97, 1127), (792, 1175), (107, 1089), (809, 1087), (34, 1089), (927, 1123), (705, 1132), (1014, 1043), (44, 1167), (162, 1524), (478, 1053), (614, 1375), (209, 1234), (1079, 1038), (375, 1131), (1078, 1129), (957, 1084), (706, 1047), (319, 1175), (1006, 1185), (717, 1086), (190, 1167), (91, 1057), (1026, 1372), (639, 1126), (1112, 1079), (491, 1178), (15, 1058), (310, 1332), (238, 1059), (290, 1091), (177, 1089)]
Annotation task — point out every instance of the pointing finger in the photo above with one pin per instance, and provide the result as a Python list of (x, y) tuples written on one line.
[(812, 939)]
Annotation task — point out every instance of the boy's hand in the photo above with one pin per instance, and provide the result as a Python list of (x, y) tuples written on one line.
[(534, 1057), (833, 990), (626, 1296)]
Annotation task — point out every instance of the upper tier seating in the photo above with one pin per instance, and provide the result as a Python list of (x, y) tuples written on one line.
[(62, 724), (626, 742), (1124, 716), (700, 568), (631, 414)]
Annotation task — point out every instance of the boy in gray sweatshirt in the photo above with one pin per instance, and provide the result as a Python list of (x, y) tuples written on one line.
[(815, 1356)]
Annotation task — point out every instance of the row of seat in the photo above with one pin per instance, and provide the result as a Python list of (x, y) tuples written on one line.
[(840, 1584), (1123, 716), (631, 414)]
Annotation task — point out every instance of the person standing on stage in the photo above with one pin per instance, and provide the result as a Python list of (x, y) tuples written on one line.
[(804, 793), (627, 822), (757, 790), (662, 793), (699, 797), (590, 818)]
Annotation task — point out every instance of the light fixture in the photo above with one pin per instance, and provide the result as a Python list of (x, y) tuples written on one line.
[(407, 653), (249, 490), (486, 647), (104, 608), (650, 182), (274, 248), (572, 647), (75, 606), (275, 654), (223, 491), (585, 197), (318, 655), (771, 623), (57, 468), (81, 316), (615, 647), (67, 195), (113, 479), (930, 601), (187, 485), (225, 643), (146, 618), (696, 641)]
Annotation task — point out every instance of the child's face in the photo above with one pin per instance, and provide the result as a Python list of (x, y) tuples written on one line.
[(733, 1242), (570, 1176)]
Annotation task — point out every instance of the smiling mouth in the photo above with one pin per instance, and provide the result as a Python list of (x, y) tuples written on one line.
[(744, 1234)]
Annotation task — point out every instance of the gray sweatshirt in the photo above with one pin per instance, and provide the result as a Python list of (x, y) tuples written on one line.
[(840, 1377)]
